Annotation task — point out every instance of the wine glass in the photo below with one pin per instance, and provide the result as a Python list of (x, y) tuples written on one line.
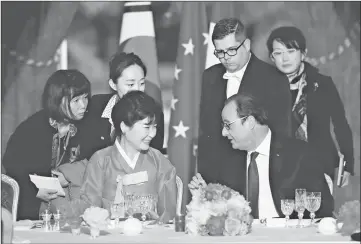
[(313, 203), (287, 207), (300, 204), (129, 205)]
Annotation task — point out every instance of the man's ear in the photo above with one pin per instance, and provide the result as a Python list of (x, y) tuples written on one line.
[(247, 44), (112, 84), (251, 122)]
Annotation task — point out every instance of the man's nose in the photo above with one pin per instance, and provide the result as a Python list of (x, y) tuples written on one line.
[(224, 131)]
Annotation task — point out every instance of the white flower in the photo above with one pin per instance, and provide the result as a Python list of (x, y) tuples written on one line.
[(191, 228)]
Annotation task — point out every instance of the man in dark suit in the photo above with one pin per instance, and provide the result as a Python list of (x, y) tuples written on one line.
[(240, 70), (274, 165), (127, 72)]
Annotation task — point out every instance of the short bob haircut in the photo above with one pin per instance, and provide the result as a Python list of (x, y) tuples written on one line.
[(248, 105), (120, 61), (133, 107), (228, 26), (290, 36), (61, 87)]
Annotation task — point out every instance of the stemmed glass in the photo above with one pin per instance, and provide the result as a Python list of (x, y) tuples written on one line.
[(313, 203), (129, 205), (287, 207), (300, 204)]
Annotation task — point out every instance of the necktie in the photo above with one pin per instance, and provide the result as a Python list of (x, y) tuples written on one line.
[(228, 76), (253, 185)]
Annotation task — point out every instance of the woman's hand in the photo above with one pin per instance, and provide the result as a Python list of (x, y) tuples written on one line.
[(47, 194), (196, 183), (61, 177)]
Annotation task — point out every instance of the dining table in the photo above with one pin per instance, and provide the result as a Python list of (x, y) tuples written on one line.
[(167, 234)]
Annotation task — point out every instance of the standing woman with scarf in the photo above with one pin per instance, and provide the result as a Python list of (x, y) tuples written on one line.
[(49, 143), (315, 100)]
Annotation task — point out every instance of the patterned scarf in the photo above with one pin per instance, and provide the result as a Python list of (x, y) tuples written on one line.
[(299, 110), (60, 144)]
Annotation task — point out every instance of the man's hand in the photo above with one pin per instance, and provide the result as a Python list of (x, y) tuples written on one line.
[(345, 179), (47, 194), (196, 183), (61, 177)]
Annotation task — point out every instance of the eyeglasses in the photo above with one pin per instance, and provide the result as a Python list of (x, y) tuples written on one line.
[(230, 51), (228, 125), (280, 53)]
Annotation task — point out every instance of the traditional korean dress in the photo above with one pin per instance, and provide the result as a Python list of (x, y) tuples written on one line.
[(107, 165)]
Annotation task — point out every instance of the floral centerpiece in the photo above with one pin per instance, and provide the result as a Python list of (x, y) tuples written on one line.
[(218, 210), (349, 217), (97, 219)]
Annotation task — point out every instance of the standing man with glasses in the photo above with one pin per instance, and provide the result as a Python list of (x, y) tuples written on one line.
[(240, 70)]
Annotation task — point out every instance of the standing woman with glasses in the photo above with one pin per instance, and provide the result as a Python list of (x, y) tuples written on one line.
[(239, 71), (315, 101), (49, 141)]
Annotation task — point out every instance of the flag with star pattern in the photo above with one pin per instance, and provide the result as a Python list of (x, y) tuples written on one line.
[(183, 128)]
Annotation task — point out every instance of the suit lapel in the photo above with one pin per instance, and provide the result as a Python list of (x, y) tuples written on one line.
[(247, 80), (276, 161)]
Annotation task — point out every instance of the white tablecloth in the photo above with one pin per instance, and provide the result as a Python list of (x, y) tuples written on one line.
[(161, 234)]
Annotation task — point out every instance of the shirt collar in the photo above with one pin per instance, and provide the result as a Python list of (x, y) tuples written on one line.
[(264, 147), (130, 162), (107, 112)]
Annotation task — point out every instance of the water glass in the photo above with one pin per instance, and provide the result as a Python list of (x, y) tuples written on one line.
[(313, 203), (300, 204), (287, 207), (144, 204)]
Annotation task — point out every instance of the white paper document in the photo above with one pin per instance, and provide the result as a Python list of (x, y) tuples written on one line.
[(51, 183)]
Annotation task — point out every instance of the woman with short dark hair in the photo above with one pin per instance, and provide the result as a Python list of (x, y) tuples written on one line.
[(135, 119), (315, 100), (127, 72), (49, 141)]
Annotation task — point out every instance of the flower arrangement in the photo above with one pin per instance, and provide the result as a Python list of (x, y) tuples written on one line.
[(96, 217), (218, 210), (349, 216)]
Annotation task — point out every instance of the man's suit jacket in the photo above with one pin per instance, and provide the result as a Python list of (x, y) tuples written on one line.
[(217, 159), (99, 128), (324, 105), (291, 166)]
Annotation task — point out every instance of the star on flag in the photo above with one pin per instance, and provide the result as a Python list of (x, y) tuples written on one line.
[(176, 72), (189, 47), (206, 36), (173, 102), (180, 130)]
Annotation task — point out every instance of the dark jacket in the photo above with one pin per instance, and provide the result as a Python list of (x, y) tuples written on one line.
[(324, 105), (260, 79), (98, 128), (29, 151), (291, 166)]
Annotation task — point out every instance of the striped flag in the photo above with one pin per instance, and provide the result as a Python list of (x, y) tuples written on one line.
[(183, 129), (137, 35), (220, 10)]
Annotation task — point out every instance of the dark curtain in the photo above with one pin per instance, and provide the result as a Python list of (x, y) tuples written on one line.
[(31, 34)]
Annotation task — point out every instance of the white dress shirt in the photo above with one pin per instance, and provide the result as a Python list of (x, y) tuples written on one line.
[(266, 206), (129, 161), (234, 80), (107, 112)]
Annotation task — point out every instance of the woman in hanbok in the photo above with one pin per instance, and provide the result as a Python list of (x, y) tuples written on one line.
[(316, 102), (146, 170), (48, 143)]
